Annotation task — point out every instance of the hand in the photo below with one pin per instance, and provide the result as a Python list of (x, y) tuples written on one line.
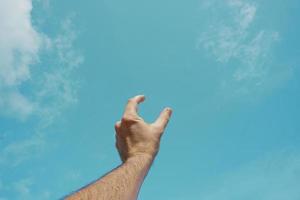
[(136, 137)]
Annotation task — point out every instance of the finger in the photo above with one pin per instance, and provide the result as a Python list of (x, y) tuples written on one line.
[(163, 118), (132, 105)]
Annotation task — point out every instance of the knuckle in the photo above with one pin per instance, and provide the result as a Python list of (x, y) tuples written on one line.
[(128, 118)]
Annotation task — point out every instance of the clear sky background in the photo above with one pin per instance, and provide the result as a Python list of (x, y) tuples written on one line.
[(229, 70)]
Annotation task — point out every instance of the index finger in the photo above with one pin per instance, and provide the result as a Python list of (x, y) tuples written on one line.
[(132, 105)]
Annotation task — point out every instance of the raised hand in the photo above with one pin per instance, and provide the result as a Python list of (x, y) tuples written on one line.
[(135, 137)]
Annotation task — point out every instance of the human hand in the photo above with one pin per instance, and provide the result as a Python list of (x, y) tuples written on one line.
[(134, 136)]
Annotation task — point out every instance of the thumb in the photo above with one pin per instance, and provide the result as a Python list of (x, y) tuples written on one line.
[(163, 118)]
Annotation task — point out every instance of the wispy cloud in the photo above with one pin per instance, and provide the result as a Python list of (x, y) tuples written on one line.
[(227, 39), (16, 152), (57, 89), (241, 47), (23, 189), (273, 177)]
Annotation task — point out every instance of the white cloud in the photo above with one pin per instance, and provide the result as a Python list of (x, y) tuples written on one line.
[(49, 87), (31, 88), (19, 41), (19, 47), (274, 177), (14, 103), (238, 45)]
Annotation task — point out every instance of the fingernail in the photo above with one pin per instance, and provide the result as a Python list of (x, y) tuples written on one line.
[(168, 109)]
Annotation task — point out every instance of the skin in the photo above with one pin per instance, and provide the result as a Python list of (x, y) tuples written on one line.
[(138, 144)]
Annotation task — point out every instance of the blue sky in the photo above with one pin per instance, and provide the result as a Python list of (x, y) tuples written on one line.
[(228, 69)]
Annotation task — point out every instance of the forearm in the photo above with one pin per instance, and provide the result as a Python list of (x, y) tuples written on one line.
[(123, 183), (137, 143)]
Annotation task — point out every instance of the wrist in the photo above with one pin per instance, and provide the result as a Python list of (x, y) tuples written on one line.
[(147, 150), (141, 158)]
